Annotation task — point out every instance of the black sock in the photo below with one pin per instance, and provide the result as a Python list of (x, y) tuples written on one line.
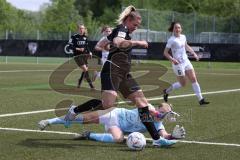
[(93, 104), (81, 78), (88, 79), (148, 122)]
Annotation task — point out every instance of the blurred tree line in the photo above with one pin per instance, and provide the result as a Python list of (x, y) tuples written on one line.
[(62, 15)]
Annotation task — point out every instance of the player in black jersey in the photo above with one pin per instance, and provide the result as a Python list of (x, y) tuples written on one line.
[(79, 44), (115, 74)]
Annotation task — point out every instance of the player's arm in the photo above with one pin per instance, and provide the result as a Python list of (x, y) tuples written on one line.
[(123, 43), (190, 50), (169, 57), (102, 44), (71, 44)]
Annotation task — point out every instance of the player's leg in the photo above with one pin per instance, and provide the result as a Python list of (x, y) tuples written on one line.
[(179, 71), (195, 85), (108, 101), (86, 75), (109, 118), (109, 86), (144, 114), (58, 120), (132, 91), (135, 94), (91, 105), (115, 135), (79, 61), (108, 98)]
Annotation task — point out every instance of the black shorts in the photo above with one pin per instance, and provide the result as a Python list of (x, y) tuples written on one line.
[(81, 59), (118, 81)]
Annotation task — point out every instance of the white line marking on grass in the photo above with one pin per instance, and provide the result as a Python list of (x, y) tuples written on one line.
[(122, 102), (206, 143), (38, 131), (222, 74), (31, 112), (148, 139), (188, 95), (19, 71)]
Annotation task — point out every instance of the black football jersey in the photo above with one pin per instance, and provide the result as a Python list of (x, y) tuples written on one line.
[(78, 41), (122, 32)]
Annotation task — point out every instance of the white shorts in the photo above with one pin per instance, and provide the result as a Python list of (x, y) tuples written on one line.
[(180, 69), (110, 119), (104, 57)]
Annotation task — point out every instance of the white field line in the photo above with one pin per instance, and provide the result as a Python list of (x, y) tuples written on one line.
[(38, 131), (148, 139), (50, 70), (19, 71), (206, 143), (122, 102), (187, 95)]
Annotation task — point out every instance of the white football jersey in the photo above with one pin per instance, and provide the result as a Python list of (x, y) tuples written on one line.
[(177, 46)]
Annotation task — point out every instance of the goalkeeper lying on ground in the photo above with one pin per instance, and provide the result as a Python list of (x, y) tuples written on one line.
[(119, 121)]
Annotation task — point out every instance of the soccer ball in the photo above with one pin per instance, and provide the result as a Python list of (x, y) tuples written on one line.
[(136, 141)]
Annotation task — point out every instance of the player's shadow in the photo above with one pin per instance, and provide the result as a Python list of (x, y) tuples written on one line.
[(63, 143)]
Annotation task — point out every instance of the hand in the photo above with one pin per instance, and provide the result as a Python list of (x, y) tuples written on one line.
[(175, 62), (178, 132), (80, 49), (196, 57), (143, 44)]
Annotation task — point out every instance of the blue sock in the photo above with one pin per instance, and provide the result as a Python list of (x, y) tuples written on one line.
[(56, 120), (102, 137)]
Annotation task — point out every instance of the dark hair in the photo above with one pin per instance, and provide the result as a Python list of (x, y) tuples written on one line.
[(170, 29)]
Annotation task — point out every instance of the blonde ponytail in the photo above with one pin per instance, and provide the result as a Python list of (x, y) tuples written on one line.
[(125, 14)]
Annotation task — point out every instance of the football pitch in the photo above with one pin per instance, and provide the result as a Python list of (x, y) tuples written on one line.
[(26, 96)]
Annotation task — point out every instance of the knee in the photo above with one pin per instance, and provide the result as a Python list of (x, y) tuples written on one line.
[(183, 84), (139, 99)]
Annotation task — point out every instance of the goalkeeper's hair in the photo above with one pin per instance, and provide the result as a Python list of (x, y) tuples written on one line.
[(130, 12), (165, 105)]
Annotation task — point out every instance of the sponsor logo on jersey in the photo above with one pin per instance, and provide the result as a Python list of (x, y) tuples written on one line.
[(121, 34), (81, 42)]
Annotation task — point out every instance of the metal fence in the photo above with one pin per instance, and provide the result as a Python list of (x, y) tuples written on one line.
[(197, 28)]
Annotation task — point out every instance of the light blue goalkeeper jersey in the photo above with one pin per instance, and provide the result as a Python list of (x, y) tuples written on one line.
[(129, 121)]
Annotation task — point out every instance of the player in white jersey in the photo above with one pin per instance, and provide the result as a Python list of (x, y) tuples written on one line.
[(106, 30), (182, 67), (119, 121)]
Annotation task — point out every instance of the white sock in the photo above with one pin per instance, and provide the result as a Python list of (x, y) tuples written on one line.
[(197, 90), (98, 74), (174, 86)]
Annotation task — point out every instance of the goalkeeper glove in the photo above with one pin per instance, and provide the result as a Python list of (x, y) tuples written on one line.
[(178, 132)]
